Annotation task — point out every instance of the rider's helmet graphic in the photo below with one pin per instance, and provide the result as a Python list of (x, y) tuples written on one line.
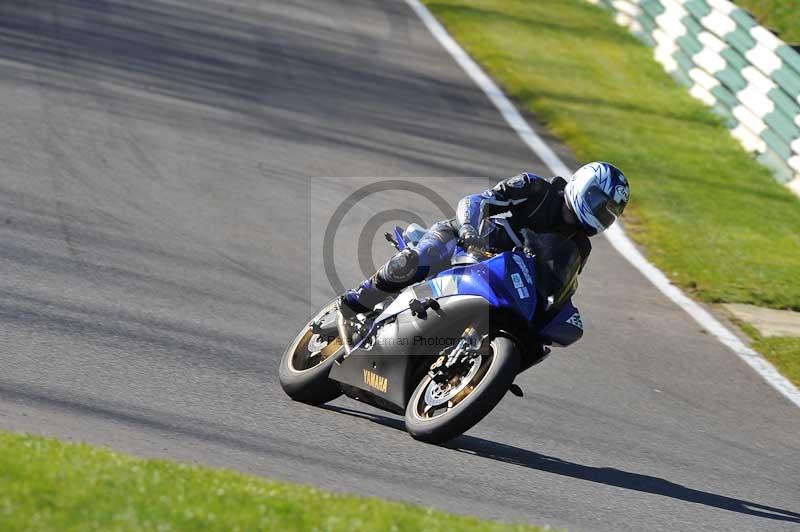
[(597, 193)]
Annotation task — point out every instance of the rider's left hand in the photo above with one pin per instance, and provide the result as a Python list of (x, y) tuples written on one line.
[(469, 237)]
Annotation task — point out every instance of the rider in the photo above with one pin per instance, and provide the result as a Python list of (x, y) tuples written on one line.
[(584, 206)]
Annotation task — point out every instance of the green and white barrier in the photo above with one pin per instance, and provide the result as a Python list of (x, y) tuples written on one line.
[(734, 65)]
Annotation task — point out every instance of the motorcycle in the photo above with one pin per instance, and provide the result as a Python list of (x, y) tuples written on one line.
[(445, 351)]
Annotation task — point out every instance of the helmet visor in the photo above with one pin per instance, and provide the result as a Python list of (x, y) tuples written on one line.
[(603, 207)]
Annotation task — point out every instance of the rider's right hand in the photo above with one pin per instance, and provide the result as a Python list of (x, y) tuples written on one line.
[(469, 237)]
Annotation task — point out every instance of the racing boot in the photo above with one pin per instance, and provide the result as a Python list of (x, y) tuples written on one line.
[(402, 270), (362, 300)]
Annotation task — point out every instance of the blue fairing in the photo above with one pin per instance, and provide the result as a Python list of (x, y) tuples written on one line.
[(505, 281), (565, 328)]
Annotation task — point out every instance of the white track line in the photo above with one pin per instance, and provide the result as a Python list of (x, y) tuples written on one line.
[(616, 235)]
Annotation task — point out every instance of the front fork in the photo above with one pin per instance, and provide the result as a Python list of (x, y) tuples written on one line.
[(459, 358)]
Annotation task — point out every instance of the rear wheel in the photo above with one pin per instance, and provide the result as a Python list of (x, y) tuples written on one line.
[(308, 359), (438, 412)]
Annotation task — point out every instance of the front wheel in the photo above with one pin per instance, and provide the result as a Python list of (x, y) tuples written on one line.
[(308, 359), (438, 412)]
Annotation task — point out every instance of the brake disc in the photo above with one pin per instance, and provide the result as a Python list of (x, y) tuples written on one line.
[(439, 393)]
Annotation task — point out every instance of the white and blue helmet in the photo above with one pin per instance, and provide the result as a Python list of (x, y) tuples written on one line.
[(597, 194)]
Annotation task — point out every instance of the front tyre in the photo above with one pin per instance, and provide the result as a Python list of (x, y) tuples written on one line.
[(307, 361), (438, 412)]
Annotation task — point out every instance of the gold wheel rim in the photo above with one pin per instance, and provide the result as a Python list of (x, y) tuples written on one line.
[(420, 411), (303, 357)]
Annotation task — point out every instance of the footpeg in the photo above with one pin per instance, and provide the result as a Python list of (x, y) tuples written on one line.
[(516, 390)]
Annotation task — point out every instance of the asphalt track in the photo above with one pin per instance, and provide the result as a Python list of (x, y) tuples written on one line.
[(156, 164)]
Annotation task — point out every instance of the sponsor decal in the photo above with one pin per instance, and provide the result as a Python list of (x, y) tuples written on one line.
[(575, 321), (524, 268), (517, 280), (621, 194), (523, 293), (373, 380)]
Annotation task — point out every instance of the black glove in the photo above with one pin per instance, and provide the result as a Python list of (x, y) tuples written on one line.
[(469, 237), (528, 239)]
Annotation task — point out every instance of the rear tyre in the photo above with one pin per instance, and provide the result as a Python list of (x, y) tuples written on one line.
[(478, 392), (307, 361)]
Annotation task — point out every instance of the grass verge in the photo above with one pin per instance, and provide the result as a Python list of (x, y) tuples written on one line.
[(782, 351), (50, 485), (705, 211), (781, 16)]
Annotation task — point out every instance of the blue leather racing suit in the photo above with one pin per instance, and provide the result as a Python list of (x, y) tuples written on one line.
[(497, 214)]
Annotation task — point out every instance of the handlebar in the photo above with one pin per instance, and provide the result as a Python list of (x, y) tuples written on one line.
[(484, 252)]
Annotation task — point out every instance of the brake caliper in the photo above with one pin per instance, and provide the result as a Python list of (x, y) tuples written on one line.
[(458, 360)]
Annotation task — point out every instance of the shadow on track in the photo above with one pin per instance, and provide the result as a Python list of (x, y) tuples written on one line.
[(263, 443), (602, 475), (256, 69)]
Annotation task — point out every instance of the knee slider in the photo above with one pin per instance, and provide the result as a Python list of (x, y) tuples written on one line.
[(400, 271)]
